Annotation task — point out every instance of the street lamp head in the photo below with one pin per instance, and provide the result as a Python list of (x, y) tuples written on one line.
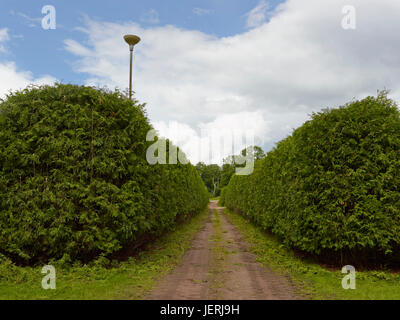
[(131, 40)]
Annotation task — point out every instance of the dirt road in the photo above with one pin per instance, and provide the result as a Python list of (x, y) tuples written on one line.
[(219, 266)]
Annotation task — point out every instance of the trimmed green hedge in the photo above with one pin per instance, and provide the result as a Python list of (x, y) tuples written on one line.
[(332, 188), (74, 180)]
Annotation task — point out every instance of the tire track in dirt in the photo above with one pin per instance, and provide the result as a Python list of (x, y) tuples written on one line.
[(219, 266), (188, 281)]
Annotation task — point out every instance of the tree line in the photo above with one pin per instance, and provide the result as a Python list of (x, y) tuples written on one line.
[(216, 177)]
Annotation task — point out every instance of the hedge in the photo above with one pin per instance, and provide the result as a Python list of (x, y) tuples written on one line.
[(332, 188), (74, 180)]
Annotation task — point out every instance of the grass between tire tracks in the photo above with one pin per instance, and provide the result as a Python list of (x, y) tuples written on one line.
[(137, 276), (312, 280), (131, 279), (218, 254)]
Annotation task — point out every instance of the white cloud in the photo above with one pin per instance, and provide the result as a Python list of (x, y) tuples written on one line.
[(3, 38), (31, 22), (4, 35), (257, 15), (202, 11), (300, 61), (76, 48), (150, 16), (13, 79), (213, 141)]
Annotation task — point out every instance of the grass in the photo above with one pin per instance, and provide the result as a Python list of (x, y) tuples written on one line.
[(217, 258), (132, 279), (313, 280)]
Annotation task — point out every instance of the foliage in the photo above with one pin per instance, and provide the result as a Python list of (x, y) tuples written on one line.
[(211, 176), (74, 179), (216, 178), (313, 280), (332, 188), (253, 151), (100, 279)]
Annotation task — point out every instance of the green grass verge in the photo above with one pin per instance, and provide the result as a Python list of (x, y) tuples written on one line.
[(313, 280), (218, 254), (126, 280)]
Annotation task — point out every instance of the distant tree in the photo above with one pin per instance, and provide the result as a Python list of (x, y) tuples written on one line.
[(229, 160), (201, 168), (256, 151), (215, 173), (211, 175), (228, 170), (215, 177)]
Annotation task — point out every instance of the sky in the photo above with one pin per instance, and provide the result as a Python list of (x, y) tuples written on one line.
[(208, 68)]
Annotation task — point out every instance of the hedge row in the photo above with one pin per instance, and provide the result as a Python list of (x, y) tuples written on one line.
[(332, 188), (74, 180)]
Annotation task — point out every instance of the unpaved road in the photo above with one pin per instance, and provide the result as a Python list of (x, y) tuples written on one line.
[(219, 266)]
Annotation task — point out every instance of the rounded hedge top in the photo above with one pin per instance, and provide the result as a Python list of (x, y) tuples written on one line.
[(333, 187), (73, 175)]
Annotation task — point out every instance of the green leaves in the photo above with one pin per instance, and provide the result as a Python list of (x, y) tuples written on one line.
[(74, 180), (332, 188)]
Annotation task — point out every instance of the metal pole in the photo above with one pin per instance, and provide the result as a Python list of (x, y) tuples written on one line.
[(130, 75), (131, 40)]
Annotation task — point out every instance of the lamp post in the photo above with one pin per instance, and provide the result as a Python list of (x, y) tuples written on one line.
[(132, 40)]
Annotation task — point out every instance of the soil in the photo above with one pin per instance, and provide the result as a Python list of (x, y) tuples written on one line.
[(219, 266)]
